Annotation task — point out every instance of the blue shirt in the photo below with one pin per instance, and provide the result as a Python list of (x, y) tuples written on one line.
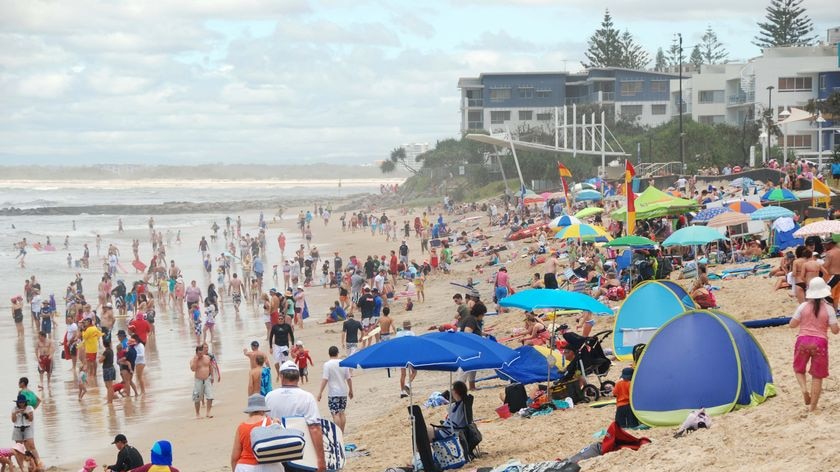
[(258, 266), (338, 314), (377, 305)]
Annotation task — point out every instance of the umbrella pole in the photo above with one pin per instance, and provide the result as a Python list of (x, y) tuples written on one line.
[(550, 350), (411, 417)]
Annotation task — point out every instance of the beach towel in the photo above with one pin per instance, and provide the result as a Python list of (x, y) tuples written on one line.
[(617, 438)]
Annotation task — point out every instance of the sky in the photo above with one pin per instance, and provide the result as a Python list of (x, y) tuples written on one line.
[(283, 81)]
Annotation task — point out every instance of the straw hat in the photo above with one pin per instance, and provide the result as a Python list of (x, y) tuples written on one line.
[(817, 288)]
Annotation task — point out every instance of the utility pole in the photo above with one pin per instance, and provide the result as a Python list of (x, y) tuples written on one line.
[(769, 116), (682, 147)]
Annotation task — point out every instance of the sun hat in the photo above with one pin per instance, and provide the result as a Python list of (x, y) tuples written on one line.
[(582, 260), (162, 452), (256, 402), (817, 288), (90, 463), (289, 366)]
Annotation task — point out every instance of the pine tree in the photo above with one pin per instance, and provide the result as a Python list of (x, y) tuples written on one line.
[(605, 48), (787, 24), (696, 58), (712, 49), (673, 54), (633, 55), (660, 63)]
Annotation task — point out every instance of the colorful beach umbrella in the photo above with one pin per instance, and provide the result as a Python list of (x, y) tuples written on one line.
[(730, 218), (589, 211), (771, 213), (588, 196), (744, 206), (819, 228), (563, 221), (582, 186), (548, 299), (693, 236), (707, 214), (584, 232), (779, 195), (632, 242)]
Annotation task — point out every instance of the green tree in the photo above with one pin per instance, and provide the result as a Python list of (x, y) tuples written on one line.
[(711, 48), (830, 107), (604, 46), (696, 58), (660, 63), (787, 24), (633, 55), (673, 53), (397, 157)]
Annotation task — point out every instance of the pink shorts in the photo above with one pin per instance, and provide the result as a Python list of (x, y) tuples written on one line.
[(814, 349)]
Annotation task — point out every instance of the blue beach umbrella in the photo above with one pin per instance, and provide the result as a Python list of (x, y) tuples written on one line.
[(542, 299), (588, 196), (771, 213), (693, 236), (412, 351), (779, 195), (707, 214), (494, 355)]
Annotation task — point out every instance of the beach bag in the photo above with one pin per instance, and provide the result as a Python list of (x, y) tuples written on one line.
[(448, 453), (273, 443)]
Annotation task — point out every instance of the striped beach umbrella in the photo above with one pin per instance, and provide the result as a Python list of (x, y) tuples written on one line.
[(778, 195), (744, 206), (563, 221), (707, 214), (584, 232)]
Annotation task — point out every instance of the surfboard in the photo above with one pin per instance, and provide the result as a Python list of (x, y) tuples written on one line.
[(49, 247), (139, 266), (372, 333), (37, 246), (334, 457)]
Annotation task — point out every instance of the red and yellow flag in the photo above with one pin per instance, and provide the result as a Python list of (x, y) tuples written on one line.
[(564, 172), (629, 172)]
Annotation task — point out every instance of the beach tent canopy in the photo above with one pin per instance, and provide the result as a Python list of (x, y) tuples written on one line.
[(653, 203), (699, 359), (530, 367), (650, 305)]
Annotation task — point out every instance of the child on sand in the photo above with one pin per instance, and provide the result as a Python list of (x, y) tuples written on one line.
[(624, 416), (90, 465), (82, 381), (195, 312), (301, 356)]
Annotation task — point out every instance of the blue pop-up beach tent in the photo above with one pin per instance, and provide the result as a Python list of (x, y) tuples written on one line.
[(699, 359), (645, 310)]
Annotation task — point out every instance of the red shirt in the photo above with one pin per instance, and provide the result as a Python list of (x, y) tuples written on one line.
[(141, 328), (393, 264)]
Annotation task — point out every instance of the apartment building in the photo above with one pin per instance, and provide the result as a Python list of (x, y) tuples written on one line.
[(499, 101)]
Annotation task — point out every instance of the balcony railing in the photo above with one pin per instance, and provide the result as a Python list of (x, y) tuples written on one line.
[(475, 102), (475, 125), (741, 98)]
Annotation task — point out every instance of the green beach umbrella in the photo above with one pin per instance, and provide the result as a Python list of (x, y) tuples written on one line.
[(631, 241), (587, 212)]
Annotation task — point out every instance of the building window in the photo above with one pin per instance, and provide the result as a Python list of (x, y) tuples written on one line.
[(795, 84), (526, 115), (499, 117), (543, 93), (631, 88), (631, 112), (474, 98), (659, 86), (526, 92), (499, 94), (822, 81), (658, 109), (544, 117), (711, 119), (710, 96), (798, 141)]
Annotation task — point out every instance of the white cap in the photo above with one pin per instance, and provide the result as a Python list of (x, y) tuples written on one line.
[(298, 343), (289, 366)]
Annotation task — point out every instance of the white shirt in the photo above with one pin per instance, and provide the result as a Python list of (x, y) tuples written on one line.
[(36, 304), (140, 349), (293, 401), (20, 419), (112, 260), (379, 283), (72, 332), (336, 377)]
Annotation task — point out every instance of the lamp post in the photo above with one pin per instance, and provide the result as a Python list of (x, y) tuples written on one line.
[(820, 121), (770, 116), (784, 115), (682, 147)]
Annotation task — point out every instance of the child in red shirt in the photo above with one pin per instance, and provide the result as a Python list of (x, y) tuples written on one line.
[(301, 356), (624, 416)]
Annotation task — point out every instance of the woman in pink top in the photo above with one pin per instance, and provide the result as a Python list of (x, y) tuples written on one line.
[(502, 287), (813, 318)]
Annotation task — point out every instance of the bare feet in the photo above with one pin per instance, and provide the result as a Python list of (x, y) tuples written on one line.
[(807, 397)]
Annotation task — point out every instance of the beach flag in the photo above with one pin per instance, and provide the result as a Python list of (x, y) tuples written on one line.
[(629, 172), (564, 172), (818, 187)]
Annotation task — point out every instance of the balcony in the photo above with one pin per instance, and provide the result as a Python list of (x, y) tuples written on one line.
[(475, 102), (741, 99), (476, 125)]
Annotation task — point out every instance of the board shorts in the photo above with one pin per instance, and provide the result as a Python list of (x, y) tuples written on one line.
[(814, 349), (109, 374), (202, 389), (237, 298), (352, 348), (280, 353), (304, 372), (90, 356), (337, 404), (23, 433), (501, 292), (45, 365), (385, 337), (172, 284), (367, 323)]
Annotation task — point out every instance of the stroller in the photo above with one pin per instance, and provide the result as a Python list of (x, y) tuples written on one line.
[(591, 358)]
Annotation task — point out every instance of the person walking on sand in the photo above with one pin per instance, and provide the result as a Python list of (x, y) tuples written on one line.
[(814, 318), (282, 337), (202, 385), (339, 384), (44, 349), (235, 288)]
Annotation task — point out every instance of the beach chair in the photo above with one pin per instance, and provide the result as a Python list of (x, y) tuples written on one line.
[(421, 440), (469, 435)]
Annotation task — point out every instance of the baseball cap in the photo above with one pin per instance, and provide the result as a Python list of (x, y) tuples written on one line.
[(289, 366), (120, 438)]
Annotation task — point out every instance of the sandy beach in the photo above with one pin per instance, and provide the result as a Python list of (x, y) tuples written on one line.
[(774, 435)]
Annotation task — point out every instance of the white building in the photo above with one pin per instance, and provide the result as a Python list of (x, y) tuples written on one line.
[(414, 149)]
